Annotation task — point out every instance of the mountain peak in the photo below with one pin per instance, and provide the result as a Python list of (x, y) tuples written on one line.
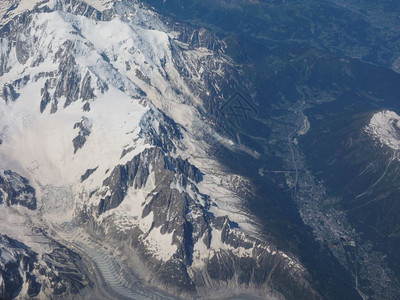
[(11, 8), (97, 114)]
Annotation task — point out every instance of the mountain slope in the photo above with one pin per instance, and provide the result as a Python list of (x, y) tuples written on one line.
[(103, 118), (317, 71)]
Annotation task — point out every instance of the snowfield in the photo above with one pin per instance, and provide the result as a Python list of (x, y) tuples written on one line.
[(385, 127), (102, 117)]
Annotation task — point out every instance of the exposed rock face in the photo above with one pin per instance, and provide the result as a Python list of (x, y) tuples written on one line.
[(46, 98), (204, 251), (25, 271), (160, 131), (9, 93), (16, 261), (84, 127), (87, 91), (87, 174), (15, 190), (136, 173), (107, 114)]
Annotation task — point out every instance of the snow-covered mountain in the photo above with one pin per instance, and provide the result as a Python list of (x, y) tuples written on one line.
[(384, 126), (107, 186)]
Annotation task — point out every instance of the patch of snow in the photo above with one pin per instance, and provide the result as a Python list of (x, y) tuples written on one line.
[(226, 202), (385, 127), (160, 244), (126, 54), (39, 145), (396, 65), (5, 255), (100, 4), (12, 8), (19, 223)]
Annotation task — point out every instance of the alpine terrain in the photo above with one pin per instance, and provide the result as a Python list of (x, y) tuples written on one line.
[(199, 149)]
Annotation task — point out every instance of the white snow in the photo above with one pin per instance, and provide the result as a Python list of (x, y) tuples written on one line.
[(160, 244), (129, 213), (6, 255), (126, 53), (219, 187), (100, 4), (39, 146), (16, 223), (396, 65), (21, 6), (385, 127)]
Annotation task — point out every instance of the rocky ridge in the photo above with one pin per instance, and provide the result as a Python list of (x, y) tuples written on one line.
[(104, 115)]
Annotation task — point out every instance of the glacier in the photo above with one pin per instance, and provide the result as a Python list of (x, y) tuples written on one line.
[(103, 112)]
